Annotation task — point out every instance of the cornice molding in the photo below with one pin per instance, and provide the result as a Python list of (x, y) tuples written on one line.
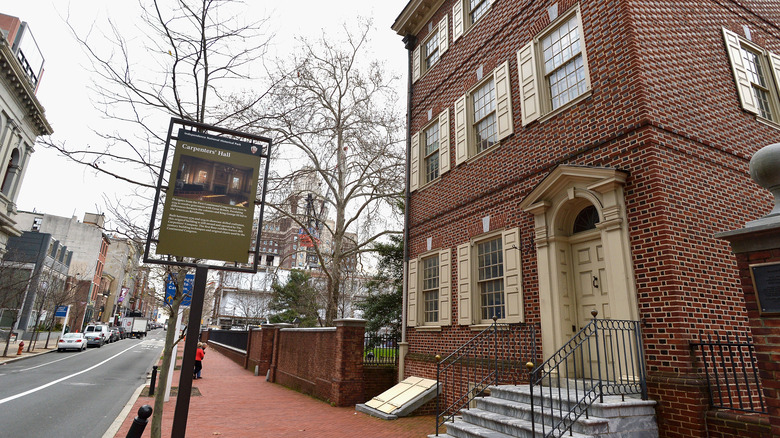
[(416, 13), (23, 90)]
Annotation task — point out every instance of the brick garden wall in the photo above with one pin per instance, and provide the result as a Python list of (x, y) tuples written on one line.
[(326, 363), (672, 122)]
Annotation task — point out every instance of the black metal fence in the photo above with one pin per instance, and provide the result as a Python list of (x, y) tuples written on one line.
[(233, 338), (604, 358), (730, 366), (496, 356), (380, 349)]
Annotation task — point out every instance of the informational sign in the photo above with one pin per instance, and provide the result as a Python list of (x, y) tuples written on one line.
[(209, 205), (61, 312), (766, 283), (170, 290)]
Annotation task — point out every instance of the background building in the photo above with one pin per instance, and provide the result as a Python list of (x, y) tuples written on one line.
[(33, 274), (22, 117), (568, 157), (89, 245)]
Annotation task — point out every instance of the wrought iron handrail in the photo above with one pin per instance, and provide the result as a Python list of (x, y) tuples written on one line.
[(496, 355), (604, 358), (730, 367)]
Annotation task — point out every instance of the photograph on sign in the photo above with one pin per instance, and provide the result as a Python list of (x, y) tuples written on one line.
[(209, 207)]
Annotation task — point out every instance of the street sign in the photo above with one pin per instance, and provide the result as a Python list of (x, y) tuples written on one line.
[(170, 290), (61, 312)]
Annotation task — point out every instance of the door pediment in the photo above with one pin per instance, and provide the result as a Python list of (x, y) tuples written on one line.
[(597, 179)]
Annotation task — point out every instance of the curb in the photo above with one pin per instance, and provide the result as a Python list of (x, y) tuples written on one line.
[(27, 356), (117, 424)]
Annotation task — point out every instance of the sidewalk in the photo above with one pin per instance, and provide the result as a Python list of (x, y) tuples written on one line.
[(235, 403), (13, 347)]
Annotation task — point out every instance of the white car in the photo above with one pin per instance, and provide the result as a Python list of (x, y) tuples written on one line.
[(72, 341)]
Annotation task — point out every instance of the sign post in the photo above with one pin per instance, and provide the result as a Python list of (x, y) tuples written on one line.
[(62, 312), (208, 214)]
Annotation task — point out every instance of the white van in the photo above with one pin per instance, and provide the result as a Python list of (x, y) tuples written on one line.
[(97, 334)]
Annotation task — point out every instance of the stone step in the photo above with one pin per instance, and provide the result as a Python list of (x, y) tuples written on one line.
[(514, 427), (586, 425), (560, 398)]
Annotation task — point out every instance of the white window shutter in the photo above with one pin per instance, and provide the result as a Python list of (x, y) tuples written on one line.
[(414, 163), (416, 63), (503, 101), (744, 89), (445, 289), (444, 141), (461, 131), (457, 20), (465, 311), (444, 36), (411, 295), (529, 87), (513, 288), (774, 60)]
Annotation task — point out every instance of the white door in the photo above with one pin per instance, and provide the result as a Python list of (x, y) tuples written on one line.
[(591, 293)]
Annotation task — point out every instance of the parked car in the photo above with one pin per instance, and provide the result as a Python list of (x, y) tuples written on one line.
[(114, 336), (97, 334), (122, 332), (72, 341)]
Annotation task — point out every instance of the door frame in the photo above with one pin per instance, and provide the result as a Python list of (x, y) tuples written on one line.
[(555, 203)]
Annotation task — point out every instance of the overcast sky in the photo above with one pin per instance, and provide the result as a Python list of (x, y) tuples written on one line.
[(56, 186)]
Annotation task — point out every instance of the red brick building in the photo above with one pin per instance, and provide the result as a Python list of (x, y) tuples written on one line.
[(569, 156)]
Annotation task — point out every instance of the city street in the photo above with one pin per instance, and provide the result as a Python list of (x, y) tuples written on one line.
[(74, 394)]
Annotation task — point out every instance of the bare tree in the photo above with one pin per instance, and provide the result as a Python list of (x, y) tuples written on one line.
[(337, 110), (15, 281), (192, 55)]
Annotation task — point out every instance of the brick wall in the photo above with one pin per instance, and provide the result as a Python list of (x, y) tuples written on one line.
[(259, 351), (378, 379), (326, 363), (765, 328), (663, 108)]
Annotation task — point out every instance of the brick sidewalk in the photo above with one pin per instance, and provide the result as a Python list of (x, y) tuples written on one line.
[(235, 403)]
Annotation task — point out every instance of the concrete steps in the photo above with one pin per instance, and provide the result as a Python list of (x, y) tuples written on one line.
[(506, 413)]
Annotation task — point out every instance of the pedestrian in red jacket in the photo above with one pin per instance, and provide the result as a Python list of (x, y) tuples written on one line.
[(199, 354)]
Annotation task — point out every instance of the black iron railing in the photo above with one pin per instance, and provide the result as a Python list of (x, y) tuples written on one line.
[(232, 338), (604, 358), (496, 356), (380, 349), (732, 374)]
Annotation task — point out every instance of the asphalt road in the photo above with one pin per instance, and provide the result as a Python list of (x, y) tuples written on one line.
[(74, 394)]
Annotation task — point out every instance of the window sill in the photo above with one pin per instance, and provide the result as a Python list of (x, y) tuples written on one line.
[(428, 184), (568, 105), (428, 328), (485, 152), (502, 325), (767, 122)]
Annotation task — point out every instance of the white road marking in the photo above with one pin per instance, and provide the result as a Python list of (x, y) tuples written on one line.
[(44, 364), (28, 392)]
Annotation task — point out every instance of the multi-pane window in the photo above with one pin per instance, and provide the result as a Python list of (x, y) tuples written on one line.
[(431, 51), (490, 278), (485, 115), (431, 159), (564, 67), (430, 288), (758, 81), (757, 75), (477, 8), (553, 68)]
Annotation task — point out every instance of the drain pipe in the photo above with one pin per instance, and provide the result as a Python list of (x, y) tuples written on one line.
[(403, 347)]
